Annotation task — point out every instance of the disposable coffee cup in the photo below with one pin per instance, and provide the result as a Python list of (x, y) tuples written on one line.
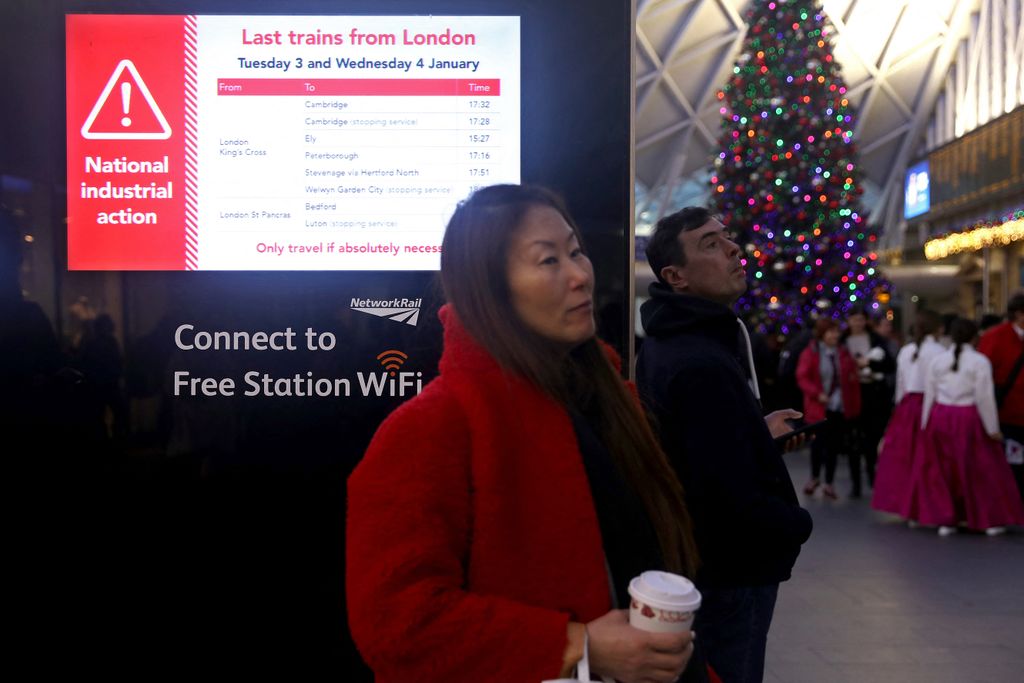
[(662, 602)]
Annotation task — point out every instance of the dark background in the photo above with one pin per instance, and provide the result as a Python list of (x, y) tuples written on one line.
[(206, 535)]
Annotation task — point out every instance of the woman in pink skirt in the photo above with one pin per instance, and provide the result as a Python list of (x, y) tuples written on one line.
[(896, 457), (963, 476)]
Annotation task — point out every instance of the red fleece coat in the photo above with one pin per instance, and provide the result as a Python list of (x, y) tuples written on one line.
[(472, 536), (1002, 346), (808, 376)]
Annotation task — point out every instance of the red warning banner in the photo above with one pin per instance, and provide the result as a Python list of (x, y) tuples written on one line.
[(126, 160)]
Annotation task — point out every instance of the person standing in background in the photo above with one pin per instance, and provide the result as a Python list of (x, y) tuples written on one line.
[(100, 360), (1004, 347), (962, 475), (896, 456), (788, 389), (874, 363), (885, 329), (988, 321), (945, 337), (827, 374)]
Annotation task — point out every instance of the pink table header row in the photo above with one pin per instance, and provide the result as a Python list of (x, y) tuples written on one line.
[(325, 87)]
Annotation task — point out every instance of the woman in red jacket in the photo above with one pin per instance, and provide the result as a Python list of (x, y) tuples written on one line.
[(498, 517), (827, 375)]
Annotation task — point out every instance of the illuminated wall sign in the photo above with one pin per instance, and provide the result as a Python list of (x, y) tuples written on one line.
[(282, 142), (916, 194)]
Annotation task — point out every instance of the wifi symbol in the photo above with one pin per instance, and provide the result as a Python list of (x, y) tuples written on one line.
[(392, 360)]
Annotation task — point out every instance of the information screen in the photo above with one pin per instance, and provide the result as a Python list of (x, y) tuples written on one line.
[(916, 191), (282, 142)]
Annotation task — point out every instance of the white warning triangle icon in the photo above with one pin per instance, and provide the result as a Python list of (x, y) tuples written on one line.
[(125, 95)]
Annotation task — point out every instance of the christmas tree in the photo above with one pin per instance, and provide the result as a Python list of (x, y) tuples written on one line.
[(785, 180)]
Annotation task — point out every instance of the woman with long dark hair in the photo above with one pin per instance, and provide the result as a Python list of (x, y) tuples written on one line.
[(899, 444), (498, 517), (962, 475)]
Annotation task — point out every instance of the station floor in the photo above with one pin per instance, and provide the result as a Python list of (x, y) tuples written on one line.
[(872, 601)]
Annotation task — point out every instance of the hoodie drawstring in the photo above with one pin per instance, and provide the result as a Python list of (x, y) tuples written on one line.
[(750, 360)]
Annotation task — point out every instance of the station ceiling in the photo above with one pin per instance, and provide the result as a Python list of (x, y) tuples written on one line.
[(894, 55)]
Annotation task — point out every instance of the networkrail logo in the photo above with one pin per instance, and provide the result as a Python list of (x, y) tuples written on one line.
[(399, 310)]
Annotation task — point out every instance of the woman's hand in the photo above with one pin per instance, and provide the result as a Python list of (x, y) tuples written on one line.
[(823, 398), (998, 436), (630, 655)]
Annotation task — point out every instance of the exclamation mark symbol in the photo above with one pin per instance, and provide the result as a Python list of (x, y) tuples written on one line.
[(126, 103)]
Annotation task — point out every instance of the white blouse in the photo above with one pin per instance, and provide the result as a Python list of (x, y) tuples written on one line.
[(910, 373), (970, 385)]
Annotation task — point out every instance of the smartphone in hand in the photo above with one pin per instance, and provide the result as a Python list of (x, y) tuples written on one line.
[(800, 427)]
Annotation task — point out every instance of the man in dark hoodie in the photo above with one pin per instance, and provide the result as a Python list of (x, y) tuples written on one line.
[(695, 373)]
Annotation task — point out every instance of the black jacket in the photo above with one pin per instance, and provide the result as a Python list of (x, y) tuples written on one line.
[(747, 521), (884, 388)]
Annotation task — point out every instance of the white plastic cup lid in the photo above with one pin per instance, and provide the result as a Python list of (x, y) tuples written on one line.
[(665, 590)]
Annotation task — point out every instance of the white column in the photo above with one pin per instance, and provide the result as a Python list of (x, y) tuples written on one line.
[(997, 57)]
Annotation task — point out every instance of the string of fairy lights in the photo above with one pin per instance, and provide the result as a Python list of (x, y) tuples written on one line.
[(998, 233)]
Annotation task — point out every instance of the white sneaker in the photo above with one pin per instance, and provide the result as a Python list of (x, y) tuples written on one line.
[(947, 530), (995, 531)]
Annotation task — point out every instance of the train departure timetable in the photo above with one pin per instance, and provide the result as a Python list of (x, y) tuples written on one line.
[(283, 143)]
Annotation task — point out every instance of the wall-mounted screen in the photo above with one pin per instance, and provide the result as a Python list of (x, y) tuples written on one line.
[(190, 138), (282, 142), (916, 195)]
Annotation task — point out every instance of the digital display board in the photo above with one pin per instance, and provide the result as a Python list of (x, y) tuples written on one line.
[(250, 488), (916, 194), (282, 142), (982, 169)]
